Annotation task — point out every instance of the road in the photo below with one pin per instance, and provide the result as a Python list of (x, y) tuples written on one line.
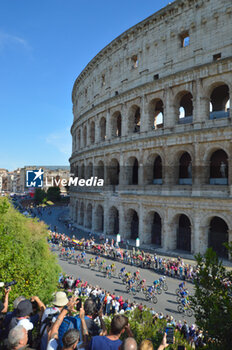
[(166, 301)]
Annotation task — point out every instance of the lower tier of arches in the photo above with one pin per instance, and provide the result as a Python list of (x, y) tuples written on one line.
[(170, 224)]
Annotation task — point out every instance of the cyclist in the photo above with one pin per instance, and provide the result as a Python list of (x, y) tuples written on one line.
[(182, 285), (123, 270), (108, 270), (113, 267), (162, 279), (137, 273)]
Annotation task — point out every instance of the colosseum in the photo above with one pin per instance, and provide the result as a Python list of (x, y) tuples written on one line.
[(152, 118)]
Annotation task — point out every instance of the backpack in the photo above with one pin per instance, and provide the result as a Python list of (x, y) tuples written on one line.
[(69, 322)]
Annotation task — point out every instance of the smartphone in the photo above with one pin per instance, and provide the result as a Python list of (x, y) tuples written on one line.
[(78, 305), (170, 335)]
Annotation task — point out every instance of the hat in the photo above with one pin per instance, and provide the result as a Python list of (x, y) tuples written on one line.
[(60, 299), (24, 308), (1, 284), (26, 324)]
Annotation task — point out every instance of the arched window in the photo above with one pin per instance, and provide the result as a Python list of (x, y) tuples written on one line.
[(218, 235), (134, 119), (220, 102), (100, 170), (85, 136), (184, 234), (185, 108), (113, 221), (157, 171), (89, 216), (82, 213), (219, 168), (132, 223), (156, 229), (79, 139), (185, 169), (113, 172), (156, 116), (103, 129), (92, 132), (116, 121), (135, 172), (99, 219)]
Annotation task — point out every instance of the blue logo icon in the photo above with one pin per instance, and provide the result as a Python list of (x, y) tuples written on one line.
[(34, 178)]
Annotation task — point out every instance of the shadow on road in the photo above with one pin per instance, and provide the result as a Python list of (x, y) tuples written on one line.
[(172, 311), (171, 301), (170, 293)]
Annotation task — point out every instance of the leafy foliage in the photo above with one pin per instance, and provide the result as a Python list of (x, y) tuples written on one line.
[(25, 255), (53, 194), (144, 326), (40, 196), (212, 301)]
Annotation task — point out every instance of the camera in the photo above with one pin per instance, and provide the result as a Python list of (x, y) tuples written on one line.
[(9, 284)]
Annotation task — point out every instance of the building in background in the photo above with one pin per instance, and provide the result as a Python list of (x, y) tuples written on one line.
[(152, 116)]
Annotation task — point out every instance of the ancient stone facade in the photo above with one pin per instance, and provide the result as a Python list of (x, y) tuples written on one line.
[(152, 117)]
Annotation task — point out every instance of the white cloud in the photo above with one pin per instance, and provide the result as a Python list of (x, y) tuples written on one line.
[(8, 40), (61, 141)]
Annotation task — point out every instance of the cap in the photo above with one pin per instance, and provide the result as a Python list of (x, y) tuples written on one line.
[(24, 308)]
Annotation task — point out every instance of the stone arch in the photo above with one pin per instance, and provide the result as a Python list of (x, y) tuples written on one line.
[(85, 136), (113, 170), (132, 224), (132, 171), (82, 173), (100, 169), (134, 119), (185, 169), (218, 235), (183, 234), (113, 221), (153, 228), (156, 113), (99, 218), (79, 139), (218, 167), (153, 172), (184, 102), (82, 214), (116, 124), (219, 96), (103, 129), (89, 213), (92, 132), (89, 170)]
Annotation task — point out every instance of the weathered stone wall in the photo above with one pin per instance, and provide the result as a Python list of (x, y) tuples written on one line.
[(143, 73)]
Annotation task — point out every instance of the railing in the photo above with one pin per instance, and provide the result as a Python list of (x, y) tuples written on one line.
[(219, 114)]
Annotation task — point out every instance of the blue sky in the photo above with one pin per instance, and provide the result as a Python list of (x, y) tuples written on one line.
[(44, 45)]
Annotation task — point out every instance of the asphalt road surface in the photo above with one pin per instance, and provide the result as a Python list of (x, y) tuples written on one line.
[(166, 301)]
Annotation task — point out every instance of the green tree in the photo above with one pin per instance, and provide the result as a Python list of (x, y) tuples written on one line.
[(40, 196), (212, 301), (25, 255), (53, 194)]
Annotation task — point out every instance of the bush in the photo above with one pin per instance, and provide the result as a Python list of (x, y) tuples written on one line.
[(25, 255), (53, 194), (40, 196)]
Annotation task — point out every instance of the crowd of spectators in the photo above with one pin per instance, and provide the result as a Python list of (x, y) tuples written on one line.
[(173, 267), (67, 324)]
